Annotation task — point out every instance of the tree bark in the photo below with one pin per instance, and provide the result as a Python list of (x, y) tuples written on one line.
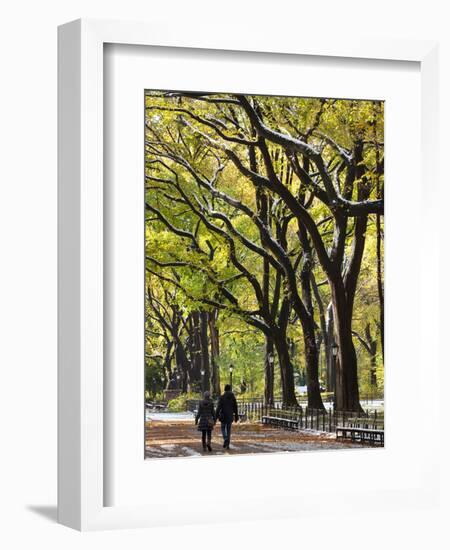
[(347, 391), (205, 364), (284, 360), (372, 349), (343, 290), (312, 367), (380, 281), (194, 374), (183, 364), (167, 364), (308, 326), (373, 369), (215, 352), (286, 371), (379, 175), (263, 212), (331, 367), (268, 371), (326, 322)]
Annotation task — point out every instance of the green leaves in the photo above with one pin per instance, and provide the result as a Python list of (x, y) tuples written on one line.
[(210, 222)]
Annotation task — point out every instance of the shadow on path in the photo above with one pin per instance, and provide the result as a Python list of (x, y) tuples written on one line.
[(173, 438)]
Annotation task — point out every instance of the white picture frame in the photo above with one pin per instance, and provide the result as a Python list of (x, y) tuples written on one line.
[(81, 480)]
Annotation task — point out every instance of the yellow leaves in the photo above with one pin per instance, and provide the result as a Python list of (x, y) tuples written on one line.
[(159, 241), (186, 202)]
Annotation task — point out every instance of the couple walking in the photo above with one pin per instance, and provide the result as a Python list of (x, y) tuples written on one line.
[(206, 417)]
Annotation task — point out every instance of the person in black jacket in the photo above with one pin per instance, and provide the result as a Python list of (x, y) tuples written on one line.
[(206, 419), (227, 409)]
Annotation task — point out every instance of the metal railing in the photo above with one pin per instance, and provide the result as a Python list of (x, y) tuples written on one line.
[(313, 419), (308, 418)]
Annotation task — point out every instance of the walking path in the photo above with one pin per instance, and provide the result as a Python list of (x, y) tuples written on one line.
[(176, 437)]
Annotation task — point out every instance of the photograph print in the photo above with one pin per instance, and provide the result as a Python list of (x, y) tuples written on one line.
[(264, 274)]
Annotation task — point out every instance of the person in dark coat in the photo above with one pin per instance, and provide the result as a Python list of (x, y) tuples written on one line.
[(205, 419), (227, 409)]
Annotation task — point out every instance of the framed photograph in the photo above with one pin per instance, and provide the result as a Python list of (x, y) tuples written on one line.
[(234, 308), (242, 287)]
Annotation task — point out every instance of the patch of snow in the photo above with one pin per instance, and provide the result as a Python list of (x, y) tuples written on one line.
[(169, 416), (370, 405), (327, 435), (190, 452)]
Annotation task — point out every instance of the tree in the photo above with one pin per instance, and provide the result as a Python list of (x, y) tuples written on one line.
[(314, 167)]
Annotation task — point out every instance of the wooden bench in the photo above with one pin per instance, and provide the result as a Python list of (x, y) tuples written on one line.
[(155, 406), (367, 423), (363, 435), (287, 423)]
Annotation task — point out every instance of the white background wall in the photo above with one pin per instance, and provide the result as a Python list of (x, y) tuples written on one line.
[(28, 272)]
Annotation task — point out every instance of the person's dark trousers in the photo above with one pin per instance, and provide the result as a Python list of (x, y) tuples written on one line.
[(226, 432), (206, 437)]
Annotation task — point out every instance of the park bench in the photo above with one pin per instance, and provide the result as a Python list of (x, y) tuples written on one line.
[(363, 435), (288, 423), (155, 406)]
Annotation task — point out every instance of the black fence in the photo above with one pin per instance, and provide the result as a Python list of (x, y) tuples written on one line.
[(302, 399), (307, 418)]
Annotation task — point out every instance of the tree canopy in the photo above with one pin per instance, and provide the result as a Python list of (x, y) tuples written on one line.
[(264, 244)]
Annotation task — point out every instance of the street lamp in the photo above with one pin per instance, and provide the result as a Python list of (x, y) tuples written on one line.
[(270, 358), (231, 376), (334, 349), (202, 372)]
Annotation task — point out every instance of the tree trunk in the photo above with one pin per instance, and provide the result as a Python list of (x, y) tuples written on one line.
[(268, 371), (343, 289), (194, 375), (373, 370), (263, 212), (326, 340), (380, 282), (379, 175), (215, 351), (312, 367), (308, 326), (331, 367), (372, 349), (284, 360), (286, 371), (183, 365), (347, 391), (167, 364), (205, 365)]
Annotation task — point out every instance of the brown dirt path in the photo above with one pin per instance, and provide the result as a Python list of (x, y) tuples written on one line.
[(179, 438)]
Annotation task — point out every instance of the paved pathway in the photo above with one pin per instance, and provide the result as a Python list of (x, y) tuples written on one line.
[(175, 438)]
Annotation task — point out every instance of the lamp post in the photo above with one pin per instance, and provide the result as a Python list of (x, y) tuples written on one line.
[(334, 349), (202, 372), (231, 376), (271, 360)]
